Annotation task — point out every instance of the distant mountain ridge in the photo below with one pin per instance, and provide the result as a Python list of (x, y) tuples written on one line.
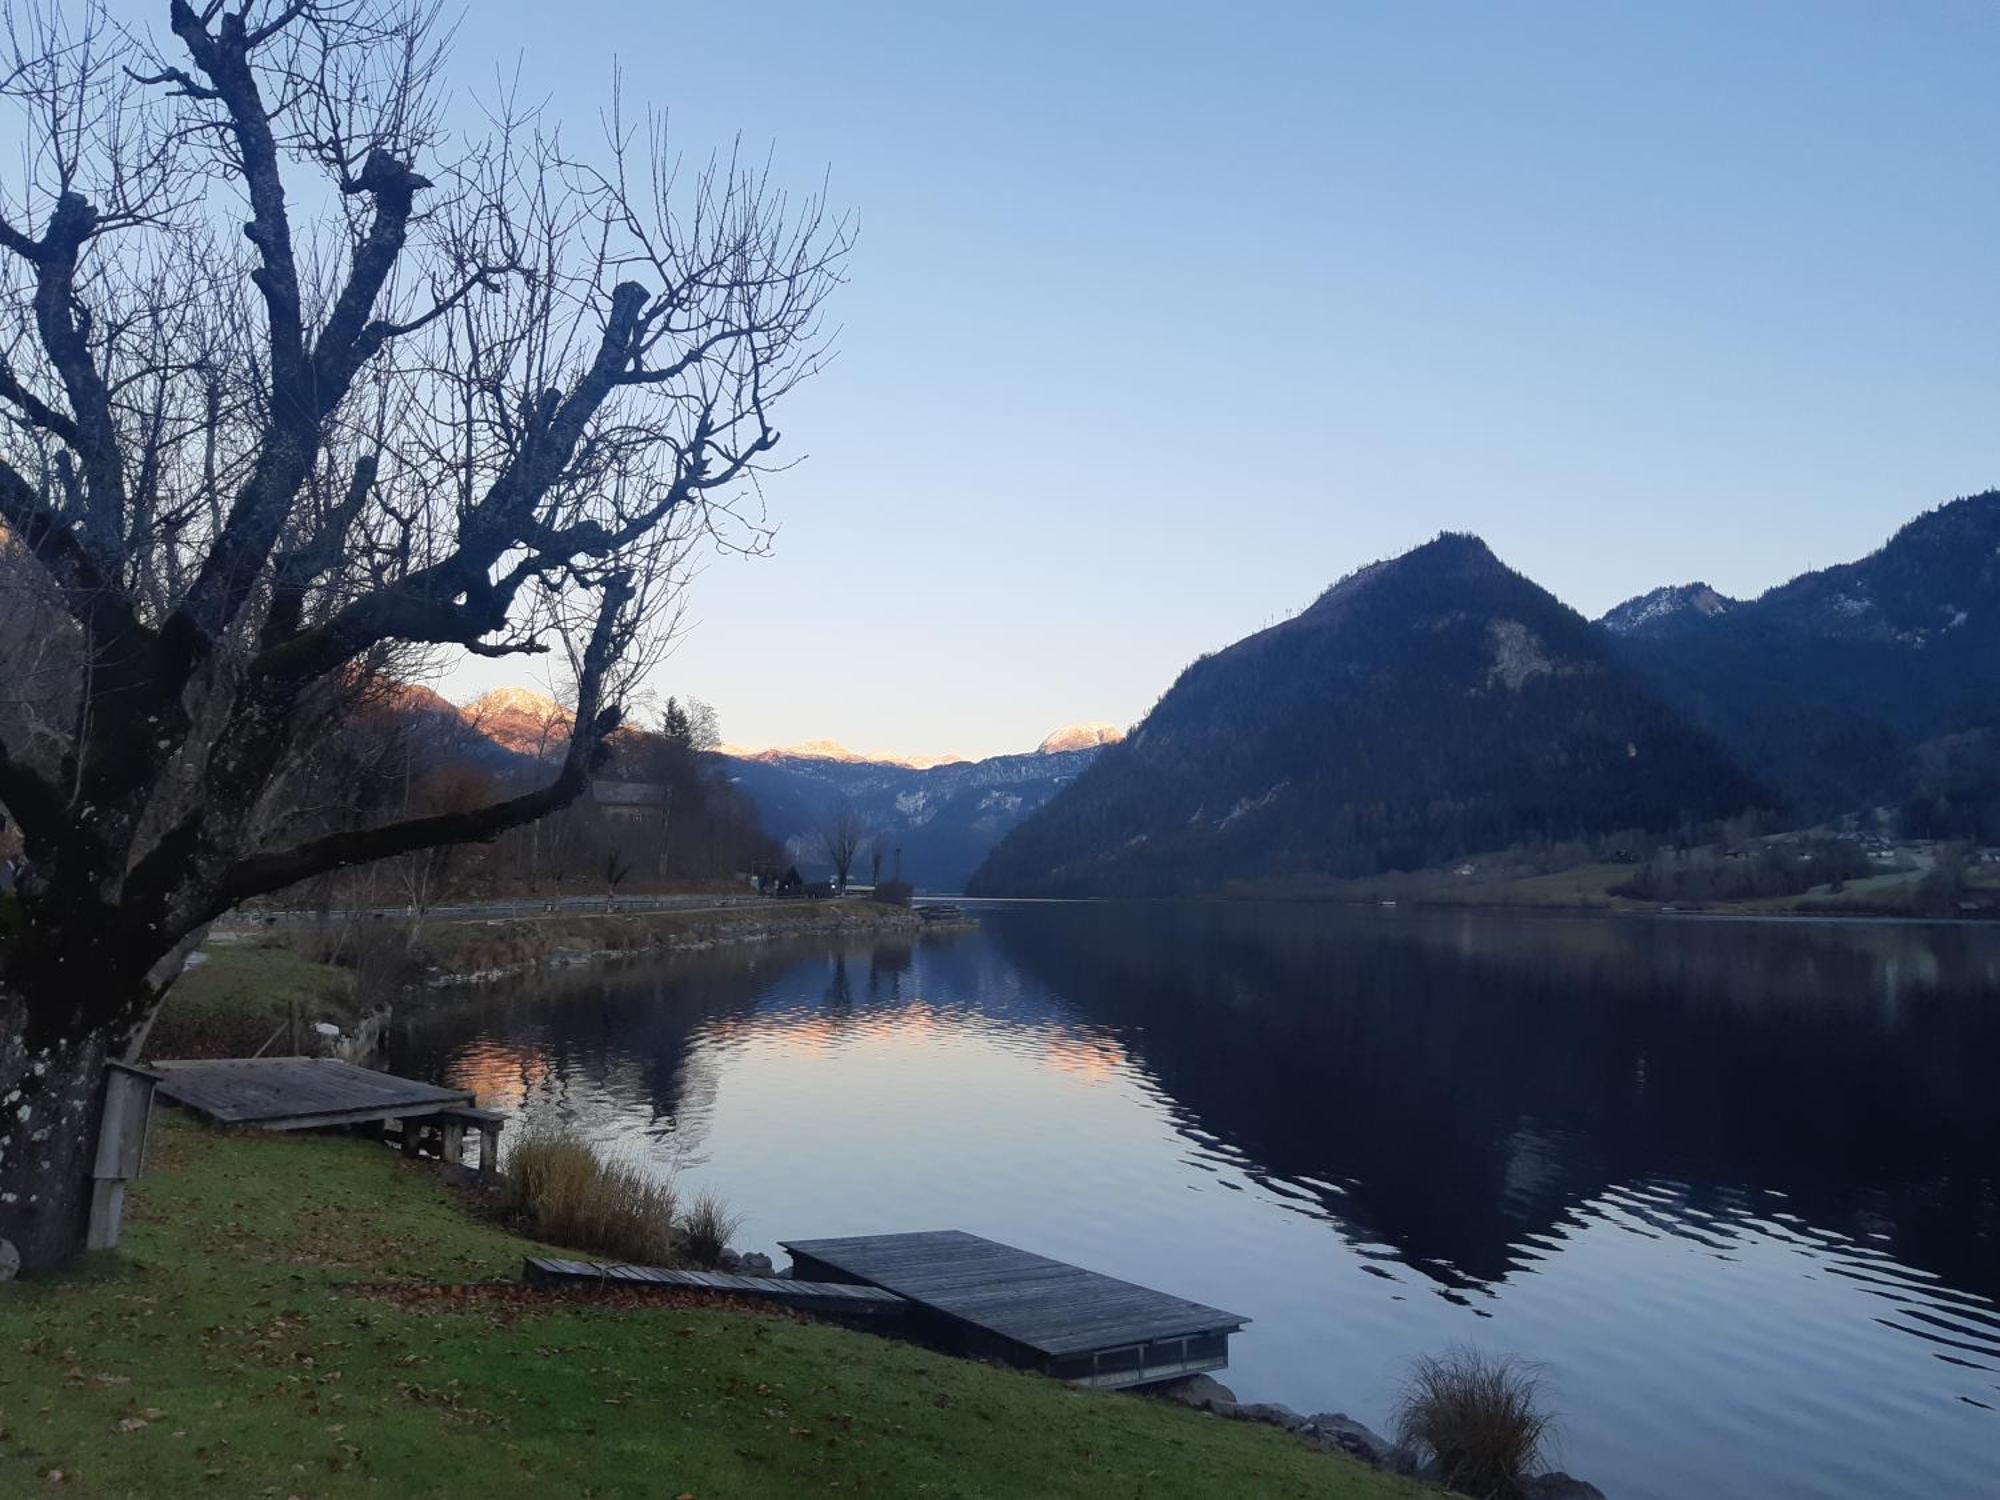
[(1423, 707), (833, 750), (1439, 703), (1675, 607), (1087, 736), (943, 818), (520, 721), (1835, 685), (944, 813)]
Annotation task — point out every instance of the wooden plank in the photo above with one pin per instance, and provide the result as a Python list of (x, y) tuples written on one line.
[(545, 1271), (299, 1093), (1043, 1305)]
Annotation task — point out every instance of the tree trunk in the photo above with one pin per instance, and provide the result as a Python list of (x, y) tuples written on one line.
[(51, 1099)]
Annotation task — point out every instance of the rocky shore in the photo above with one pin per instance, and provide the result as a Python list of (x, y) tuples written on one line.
[(1332, 1431), (1339, 1433), (478, 952)]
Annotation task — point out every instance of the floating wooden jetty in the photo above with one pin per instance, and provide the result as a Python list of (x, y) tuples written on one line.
[(313, 1093), (979, 1297), (839, 1298)]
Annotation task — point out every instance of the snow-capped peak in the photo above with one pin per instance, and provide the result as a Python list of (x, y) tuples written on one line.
[(833, 750), (1675, 602), (1084, 736)]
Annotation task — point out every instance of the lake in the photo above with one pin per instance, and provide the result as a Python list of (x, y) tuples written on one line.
[(1734, 1186)]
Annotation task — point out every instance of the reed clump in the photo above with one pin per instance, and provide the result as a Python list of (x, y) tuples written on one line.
[(567, 1194), (1478, 1418), (706, 1227)]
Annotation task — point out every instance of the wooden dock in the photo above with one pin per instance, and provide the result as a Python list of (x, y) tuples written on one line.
[(299, 1093), (316, 1093), (836, 1299), (979, 1297)]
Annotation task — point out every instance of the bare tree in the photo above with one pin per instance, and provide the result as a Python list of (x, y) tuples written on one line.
[(284, 385), (693, 724), (840, 840), (616, 869), (424, 876)]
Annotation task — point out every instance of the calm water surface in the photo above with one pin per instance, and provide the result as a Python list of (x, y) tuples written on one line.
[(1736, 1186)]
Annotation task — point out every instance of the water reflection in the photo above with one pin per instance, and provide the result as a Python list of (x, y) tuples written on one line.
[(1463, 1082), (1735, 1183)]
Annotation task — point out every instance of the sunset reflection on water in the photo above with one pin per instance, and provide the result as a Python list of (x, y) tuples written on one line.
[(1730, 1184)]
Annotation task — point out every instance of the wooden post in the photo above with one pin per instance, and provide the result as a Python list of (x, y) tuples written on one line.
[(489, 1150), (452, 1141), (121, 1149), (412, 1134)]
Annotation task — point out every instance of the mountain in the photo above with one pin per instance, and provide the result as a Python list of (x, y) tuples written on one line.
[(1842, 686), (944, 813), (427, 729), (1666, 610), (945, 818), (833, 750), (1422, 708), (1087, 736), (521, 722)]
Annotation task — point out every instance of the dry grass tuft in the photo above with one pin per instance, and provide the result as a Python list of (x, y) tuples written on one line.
[(706, 1229), (1478, 1417), (569, 1195)]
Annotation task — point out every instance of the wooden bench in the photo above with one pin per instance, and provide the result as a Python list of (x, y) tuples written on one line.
[(445, 1131)]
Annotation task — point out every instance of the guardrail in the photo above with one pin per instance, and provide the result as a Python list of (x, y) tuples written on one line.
[(530, 906)]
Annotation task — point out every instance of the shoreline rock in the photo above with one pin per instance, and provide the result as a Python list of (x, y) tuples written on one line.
[(1336, 1432), (781, 926)]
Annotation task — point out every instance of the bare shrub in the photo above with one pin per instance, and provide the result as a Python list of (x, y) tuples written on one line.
[(707, 1228), (569, 1195), (1477, 1417), (375, 951)]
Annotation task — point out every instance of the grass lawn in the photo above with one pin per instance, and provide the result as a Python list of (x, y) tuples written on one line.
[(1585, 887), (267, 1329), (230, 1004)]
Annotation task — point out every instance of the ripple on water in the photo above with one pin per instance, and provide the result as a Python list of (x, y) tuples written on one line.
[(1700, 1333)]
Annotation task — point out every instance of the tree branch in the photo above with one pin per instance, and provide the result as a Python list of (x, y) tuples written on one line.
[(348, 338), (296, 570), (419, 606), (37, 805), (82, 578), (262, 873), (38, 412), (62, 326), (257, 515)]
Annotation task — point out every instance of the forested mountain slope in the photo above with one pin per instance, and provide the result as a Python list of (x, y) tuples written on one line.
[(1424, 707)]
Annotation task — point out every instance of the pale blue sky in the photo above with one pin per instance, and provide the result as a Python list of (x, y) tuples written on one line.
[(1164, 316)]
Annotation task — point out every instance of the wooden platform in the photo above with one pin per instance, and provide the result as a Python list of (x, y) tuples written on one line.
[(838, 1299), (299, 1093), (992, 1300)]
